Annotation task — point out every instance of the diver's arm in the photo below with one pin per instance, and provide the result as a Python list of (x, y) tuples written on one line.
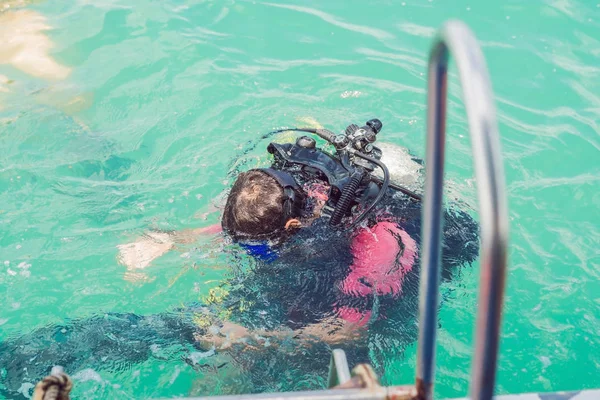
[(187, 236), (139, 254), (333, 330), (154, 244)]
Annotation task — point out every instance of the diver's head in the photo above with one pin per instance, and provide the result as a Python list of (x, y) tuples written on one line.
[(262, 205)]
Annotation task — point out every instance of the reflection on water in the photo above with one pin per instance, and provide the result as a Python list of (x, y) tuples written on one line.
[(25, 46)]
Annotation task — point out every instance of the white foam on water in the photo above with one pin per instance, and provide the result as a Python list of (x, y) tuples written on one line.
[(87, 374), (403, 169), (175, 375), (25, 389), (196, 356)]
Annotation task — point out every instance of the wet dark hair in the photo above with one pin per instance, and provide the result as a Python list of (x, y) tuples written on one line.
[(254, 208)]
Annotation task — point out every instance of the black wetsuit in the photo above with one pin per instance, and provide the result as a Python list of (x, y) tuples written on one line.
[(295, 290), (302, 285)]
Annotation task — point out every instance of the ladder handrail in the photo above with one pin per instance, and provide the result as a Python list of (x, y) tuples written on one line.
[(457, 39)]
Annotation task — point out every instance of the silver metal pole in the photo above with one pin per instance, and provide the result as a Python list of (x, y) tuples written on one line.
[(339, 372), (374, 393), (457, 39)]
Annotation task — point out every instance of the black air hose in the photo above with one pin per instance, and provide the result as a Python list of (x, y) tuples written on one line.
[(384, 187), (346, 199)]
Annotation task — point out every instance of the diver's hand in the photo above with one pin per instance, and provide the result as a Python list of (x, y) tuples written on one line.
[(139, 254), (224, 336), (332, 331)]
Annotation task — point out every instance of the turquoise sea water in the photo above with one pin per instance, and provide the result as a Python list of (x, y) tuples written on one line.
[(148, 102)]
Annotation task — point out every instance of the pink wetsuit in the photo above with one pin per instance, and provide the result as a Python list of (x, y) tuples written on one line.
[(383, 254)]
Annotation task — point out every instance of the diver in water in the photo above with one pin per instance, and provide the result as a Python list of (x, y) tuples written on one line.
[(335, 250), (334, 247), (338, 244)]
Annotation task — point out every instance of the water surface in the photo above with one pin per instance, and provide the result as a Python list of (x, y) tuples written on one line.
[(116, 117)]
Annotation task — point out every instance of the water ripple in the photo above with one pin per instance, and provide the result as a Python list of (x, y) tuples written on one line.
[(160, 101), (365, 30)]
